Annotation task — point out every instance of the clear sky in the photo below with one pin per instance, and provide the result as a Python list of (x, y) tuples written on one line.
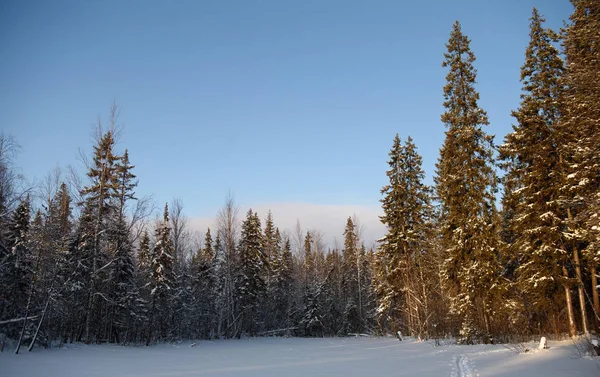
[(291, 105)]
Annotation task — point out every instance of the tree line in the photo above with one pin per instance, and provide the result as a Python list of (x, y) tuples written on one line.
[(85, 263)]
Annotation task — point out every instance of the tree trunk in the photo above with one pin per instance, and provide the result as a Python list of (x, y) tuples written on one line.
[(31, 285), (581, 292), (37, 330), (569, 302), (596, 299), (24, 324)]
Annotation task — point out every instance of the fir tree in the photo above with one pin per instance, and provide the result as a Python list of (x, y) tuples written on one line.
[(466, 185)]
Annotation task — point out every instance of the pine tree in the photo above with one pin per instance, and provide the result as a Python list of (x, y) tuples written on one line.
[(531, 159), (466, 185)]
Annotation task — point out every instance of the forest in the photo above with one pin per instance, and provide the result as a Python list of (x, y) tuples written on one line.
[(505, 245)]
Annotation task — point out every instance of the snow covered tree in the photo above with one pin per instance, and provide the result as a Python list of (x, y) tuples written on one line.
[(466, 184), (310, 275), (284, 287), (532, 162), (272, 250), (16, 268), (144, 255), (124, 304), (580, 147), (161, 280), (204, 294), (405, 205), (98, 198), (333, 304), (312, 319), (250, 276), (353, 320), (75, 275)]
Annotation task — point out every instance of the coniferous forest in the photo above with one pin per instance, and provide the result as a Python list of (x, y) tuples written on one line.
[(504, 245)]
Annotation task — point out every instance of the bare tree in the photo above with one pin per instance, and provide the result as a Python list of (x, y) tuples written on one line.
[(298, 237), (228, 227), (180, 234), (11, 182)]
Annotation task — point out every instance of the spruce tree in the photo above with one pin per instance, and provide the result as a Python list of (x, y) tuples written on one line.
[(531, 160), (405, 205), (250, 277), (352, 313), (466, 184), (124, 304), (161, 281), (16, 268), (283, 295), (98, 198), (580, 150), (211, 278), (272, 246)]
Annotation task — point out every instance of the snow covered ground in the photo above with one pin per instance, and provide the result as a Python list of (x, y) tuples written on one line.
[(266, 357)]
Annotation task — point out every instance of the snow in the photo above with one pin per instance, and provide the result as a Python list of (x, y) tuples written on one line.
[(266, 357)]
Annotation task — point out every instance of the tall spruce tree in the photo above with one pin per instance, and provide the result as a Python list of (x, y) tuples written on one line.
[(532, 163), (581, 144), (124, 306), (466, 184), (98, 198)]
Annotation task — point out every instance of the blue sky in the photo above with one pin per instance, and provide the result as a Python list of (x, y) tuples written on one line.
[(281, 102)]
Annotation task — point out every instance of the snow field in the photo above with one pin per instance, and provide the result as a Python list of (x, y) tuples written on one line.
[(270, 357)]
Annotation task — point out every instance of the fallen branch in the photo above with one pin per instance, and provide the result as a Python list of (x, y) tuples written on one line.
[(18, 319), (276, 331)]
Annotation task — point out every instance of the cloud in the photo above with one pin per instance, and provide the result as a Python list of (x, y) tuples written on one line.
[(330, 220)]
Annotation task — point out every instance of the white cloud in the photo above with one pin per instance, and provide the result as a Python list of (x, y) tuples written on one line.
[(330, 220)]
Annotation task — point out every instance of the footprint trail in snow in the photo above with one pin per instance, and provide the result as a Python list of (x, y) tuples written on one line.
[(461, 368)]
